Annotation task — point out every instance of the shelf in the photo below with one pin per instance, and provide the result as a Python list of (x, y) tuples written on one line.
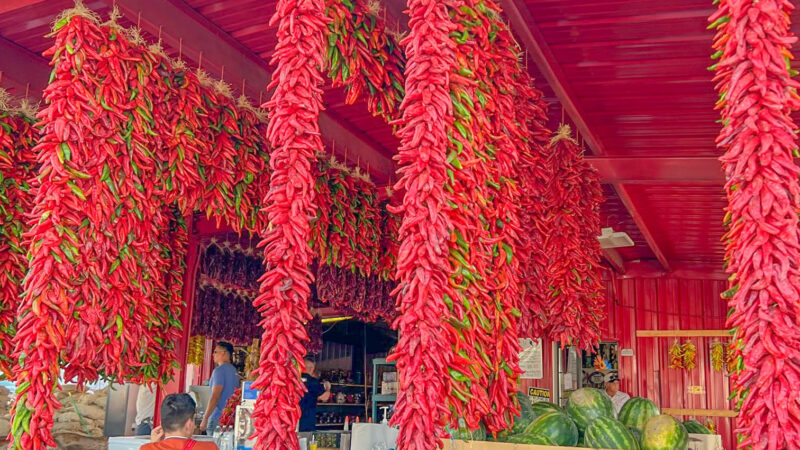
[(384, 398), (330, 424), (348, 385), (340, 404)]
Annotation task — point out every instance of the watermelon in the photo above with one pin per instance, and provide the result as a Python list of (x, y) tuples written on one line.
[(637, 433), (540, 408), (636, 411), (695, 427), (605, 432), (530, 439), (587, 404), (664, 433), (527, 414), (556, 426), (465, 434)]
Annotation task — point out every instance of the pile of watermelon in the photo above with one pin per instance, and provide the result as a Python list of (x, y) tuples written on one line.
[(589, 421)]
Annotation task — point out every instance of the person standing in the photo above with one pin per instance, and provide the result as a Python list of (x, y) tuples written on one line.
[(145, 408), (177, 426), (315, 391), (618, 398), (224, 380)]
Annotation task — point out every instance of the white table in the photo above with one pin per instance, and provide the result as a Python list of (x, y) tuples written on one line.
[(134, 442)]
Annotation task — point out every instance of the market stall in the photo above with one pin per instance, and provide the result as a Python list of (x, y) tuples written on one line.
[(383, 186)]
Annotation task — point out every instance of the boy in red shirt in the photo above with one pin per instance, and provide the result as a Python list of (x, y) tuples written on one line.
[(177, 426)]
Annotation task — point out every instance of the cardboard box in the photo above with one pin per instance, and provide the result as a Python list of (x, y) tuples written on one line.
[(390, 387)]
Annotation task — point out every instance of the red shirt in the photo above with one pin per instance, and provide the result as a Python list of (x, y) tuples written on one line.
[(178, 444)]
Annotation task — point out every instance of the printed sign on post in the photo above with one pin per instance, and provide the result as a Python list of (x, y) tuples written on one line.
[(530, 359), (539, 395)]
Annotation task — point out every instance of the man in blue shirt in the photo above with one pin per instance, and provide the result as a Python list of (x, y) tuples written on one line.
[(315, 391), (224, 380)]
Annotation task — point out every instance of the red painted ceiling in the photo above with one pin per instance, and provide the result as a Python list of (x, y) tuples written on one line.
[(634, 70)]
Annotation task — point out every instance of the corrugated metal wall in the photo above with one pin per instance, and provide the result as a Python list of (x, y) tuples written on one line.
[(667, 304), (663, 304)]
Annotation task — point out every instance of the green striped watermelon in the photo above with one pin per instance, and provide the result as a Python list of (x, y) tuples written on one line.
[(636, 411), (637, 433), (527, 414), (587, 404), (463, 433), (664, 433), (695, 427), (605, 432), (540, 408), (556, 426), (530, 439)]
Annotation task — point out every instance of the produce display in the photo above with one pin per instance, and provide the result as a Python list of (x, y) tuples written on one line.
[(366, 298), (423, 353), (197, 350), (689, 354), (606, 432), (576, 294), (636, 411), (664, 432), (556, 426), (17, 166), (294, 136), (757, 96), (587, 404), (676, 356), (540, 408), (693, 426), (717, 356), (363, 54), (226, 420)]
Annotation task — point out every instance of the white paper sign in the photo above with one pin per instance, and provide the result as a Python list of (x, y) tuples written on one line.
[(626, 352), (530, 359)]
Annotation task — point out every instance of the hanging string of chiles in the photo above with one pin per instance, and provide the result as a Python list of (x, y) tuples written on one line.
[(576, 289), (17, 166), (293, 133), (423, 352), (757, 96)]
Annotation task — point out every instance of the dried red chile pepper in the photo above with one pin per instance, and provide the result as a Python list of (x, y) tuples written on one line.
[(362, 54), (423, 352), (293, 133), (575, 308), (17, 165), (758, 141)]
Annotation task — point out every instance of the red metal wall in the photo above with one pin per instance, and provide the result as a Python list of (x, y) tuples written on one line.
[(668, 304)]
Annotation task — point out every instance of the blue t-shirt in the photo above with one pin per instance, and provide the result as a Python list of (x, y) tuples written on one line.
[(308, 404), (224, 375)]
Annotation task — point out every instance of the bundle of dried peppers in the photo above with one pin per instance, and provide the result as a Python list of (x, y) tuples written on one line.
[(293, 133), (423, 352), (361, 53), (17, 166), (757, 96)]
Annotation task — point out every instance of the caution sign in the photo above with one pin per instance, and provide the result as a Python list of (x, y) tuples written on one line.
[(539, 395)]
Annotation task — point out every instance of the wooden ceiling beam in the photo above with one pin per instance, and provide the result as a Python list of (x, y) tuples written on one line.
[(705, 170), (547, 63)]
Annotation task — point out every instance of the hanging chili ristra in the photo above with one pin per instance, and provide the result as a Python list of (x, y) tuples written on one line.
[(423, 353), (17, 165), (293, 133), (757, 96), (576, 302), (362, 54)]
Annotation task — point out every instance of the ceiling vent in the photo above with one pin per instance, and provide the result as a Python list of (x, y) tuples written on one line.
[(614, 239)]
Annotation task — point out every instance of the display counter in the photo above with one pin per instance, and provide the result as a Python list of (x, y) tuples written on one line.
[(135, 442)]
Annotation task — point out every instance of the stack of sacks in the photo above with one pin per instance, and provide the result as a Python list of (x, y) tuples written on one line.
[(5, 404), (79, 423)]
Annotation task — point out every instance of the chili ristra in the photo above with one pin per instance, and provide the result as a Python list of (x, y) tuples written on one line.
[(757, 96), (18, 134), (293, 133), (423, 353)]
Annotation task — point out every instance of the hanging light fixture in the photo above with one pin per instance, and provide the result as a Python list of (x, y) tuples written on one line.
[(614, 239)]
